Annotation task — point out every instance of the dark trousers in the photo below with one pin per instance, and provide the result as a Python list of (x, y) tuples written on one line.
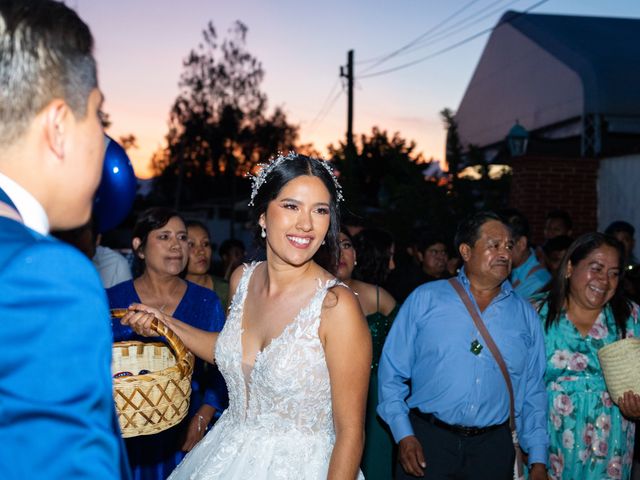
[(452, 456)]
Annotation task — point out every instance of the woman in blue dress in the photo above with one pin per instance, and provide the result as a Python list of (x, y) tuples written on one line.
[(161, 250), (591, 434)]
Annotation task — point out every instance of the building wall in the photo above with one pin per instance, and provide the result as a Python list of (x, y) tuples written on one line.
[(543, 184), (516, 79), (618, 199)]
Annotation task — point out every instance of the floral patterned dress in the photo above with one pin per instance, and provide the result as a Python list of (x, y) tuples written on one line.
[(589, 437)]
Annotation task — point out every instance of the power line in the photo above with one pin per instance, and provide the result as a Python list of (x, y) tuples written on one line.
[(466, 23), (327, 110), (450, 47), (326, 102), (426, 39), (433, 29)]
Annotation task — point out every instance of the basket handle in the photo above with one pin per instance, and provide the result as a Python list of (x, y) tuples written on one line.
[(178, 347), (182, 354)]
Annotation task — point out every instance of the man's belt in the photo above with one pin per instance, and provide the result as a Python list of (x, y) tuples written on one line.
[(457, 429)]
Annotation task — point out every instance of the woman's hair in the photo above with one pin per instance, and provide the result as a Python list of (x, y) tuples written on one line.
[(277, 176), (151, 219), (373, 247), (199, 224), (323, 258), (559, 291)]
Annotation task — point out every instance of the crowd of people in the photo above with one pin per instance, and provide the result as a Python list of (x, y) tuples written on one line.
[(337, 354)]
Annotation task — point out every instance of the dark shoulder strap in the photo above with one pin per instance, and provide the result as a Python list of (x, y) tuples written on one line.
[(477, 320)]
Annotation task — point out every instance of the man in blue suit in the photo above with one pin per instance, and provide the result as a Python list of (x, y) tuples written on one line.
[(57, 419)]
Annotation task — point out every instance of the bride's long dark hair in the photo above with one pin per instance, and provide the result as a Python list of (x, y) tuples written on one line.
[(294, 166)]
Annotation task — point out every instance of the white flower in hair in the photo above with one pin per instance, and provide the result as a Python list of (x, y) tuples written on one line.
[(266, 168)]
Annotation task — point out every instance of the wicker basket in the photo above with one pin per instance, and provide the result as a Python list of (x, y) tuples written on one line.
[(154, 401), (620, 363)]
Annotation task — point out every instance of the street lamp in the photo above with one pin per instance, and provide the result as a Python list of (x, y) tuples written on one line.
[(517, 140)]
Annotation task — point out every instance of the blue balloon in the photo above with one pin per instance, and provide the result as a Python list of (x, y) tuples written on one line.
[(117, 189)]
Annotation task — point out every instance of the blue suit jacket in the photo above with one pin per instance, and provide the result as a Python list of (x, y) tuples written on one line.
[(57, 419)]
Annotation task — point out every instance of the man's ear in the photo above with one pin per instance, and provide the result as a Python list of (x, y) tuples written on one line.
[(54, 117), (465, 251)]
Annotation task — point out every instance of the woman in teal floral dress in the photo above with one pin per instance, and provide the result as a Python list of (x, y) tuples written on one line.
[(590, 436)]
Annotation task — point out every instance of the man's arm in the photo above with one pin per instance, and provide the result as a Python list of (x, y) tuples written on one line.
[(395, 369), (532, 428), (55, 381)]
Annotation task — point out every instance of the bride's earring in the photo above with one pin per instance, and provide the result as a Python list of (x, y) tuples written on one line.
[(263, 234)]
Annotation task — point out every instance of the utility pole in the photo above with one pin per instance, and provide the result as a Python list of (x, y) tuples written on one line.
[(349, 77)]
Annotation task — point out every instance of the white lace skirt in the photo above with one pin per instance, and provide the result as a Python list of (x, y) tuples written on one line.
[(233, 451)]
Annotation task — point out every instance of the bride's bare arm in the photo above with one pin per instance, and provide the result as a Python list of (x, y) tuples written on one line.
[(347, 346), (200, 342)]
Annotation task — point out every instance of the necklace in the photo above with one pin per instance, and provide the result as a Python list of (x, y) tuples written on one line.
[(146, 286)]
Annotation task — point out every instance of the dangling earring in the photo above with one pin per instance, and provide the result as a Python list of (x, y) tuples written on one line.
[(323, 242), (355, 262), (263, 234)]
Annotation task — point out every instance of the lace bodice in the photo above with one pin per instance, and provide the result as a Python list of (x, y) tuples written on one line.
[(288, 387)]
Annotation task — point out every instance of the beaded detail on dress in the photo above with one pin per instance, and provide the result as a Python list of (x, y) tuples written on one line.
[(279, 424)]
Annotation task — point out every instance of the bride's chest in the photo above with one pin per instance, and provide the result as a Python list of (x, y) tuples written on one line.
[(292, 361)]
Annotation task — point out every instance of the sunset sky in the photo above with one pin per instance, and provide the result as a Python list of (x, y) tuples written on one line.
[(140, 46)]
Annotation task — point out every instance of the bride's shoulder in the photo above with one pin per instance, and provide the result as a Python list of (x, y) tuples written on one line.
[(340, 301), (238, 274), (342, 318)]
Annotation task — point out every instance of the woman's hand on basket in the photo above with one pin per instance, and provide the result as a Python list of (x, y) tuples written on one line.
[(139, 317), (629, 405)]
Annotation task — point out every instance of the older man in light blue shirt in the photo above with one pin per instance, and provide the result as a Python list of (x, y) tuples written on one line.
[(442, 392)]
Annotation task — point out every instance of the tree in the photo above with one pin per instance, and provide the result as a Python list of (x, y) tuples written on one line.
[(469, 193), (219, 126), (128, 141), (385, 183), (453, 152)]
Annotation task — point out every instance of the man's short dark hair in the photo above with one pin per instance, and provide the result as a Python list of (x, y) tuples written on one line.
[(517, 222), (620, 226), (563, 215), (469, 228), (428, 239), (45, 53)]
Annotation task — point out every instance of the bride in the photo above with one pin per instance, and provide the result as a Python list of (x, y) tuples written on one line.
[(295, 351)]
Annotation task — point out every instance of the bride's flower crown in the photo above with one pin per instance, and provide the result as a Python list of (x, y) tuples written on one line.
[(266, 168)]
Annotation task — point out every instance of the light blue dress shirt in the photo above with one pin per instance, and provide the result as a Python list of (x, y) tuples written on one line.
[(527, 282), (429, 345)]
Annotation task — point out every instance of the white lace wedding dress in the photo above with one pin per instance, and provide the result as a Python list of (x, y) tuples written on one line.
[(279, 423)]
